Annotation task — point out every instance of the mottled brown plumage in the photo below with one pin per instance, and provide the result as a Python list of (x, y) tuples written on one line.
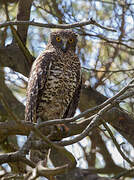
[(54, 83)]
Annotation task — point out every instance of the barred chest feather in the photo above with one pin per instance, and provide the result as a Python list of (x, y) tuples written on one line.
[(60, 87)]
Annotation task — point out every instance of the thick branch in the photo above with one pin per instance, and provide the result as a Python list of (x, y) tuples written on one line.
[(24, 9), (15, 106), (81, 174), (117, 118), (11, 56)]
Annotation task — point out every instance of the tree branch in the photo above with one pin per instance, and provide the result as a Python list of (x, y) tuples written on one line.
[(23, 14), (60, 26)]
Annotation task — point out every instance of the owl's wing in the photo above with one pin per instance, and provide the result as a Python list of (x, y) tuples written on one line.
[(36, 83)]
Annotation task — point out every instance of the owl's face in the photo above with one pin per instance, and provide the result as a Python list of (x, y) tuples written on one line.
[(64, 40)]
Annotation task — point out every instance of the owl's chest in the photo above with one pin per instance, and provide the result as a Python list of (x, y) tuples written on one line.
[(63, 73), (61, 83), (61, 79)]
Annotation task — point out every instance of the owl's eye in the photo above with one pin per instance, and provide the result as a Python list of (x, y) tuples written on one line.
[(71, 41), (58, 39)]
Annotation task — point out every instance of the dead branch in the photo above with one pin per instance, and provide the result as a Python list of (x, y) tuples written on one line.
[(60, 26)]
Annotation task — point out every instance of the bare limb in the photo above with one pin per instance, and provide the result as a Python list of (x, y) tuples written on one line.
[(125, 173), (107, 40), (14, 157), (8, 109), (23, 14), (116, 143), (40, 170), (28, 56), (108, 71), (61, 26)]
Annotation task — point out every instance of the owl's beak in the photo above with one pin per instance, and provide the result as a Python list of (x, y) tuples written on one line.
[(64, 45)]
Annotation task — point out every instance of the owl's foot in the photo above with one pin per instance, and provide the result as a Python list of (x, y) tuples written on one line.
[(62, 128), (58, 132)]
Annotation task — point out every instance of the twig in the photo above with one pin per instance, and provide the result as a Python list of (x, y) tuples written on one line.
[(114, 71), (124, 173), (116, 143), (8, 109), (107, 40), (23, 48), (61, 26), (46, 172), (14, 157)]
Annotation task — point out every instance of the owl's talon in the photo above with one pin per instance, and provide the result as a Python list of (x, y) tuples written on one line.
[(58, 132), (62, 128)]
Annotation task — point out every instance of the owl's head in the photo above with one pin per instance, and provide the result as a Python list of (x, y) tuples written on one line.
[(64, 40)]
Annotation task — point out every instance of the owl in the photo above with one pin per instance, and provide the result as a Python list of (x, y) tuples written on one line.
[(55, 79)]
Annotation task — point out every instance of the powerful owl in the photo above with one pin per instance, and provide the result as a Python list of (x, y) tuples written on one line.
[(55, 81)]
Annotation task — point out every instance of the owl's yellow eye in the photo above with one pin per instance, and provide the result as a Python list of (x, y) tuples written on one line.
[(58, 39), (71, 41)]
